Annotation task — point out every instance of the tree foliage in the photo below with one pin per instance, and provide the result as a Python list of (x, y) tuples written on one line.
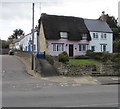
[(111, 21), (116, 46), (16, 33)]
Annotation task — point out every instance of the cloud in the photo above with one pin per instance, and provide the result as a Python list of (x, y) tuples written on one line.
[(15, 11), (18, 13)]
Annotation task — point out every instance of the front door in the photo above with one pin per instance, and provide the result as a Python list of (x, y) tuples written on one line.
[(71, 50)]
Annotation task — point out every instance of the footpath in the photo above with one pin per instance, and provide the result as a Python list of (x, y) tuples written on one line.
[(103, 80)]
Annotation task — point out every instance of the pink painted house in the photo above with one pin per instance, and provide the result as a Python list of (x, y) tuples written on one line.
[(62, 33)]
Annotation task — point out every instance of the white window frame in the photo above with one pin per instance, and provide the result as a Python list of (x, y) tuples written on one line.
[(103, 36), (102, 47), (95, 35), (56, 47), (64, 35), (83, 47)]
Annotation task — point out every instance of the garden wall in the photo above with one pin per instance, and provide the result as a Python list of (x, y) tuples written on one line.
[(75, 70), (25, 55), (78, 70)]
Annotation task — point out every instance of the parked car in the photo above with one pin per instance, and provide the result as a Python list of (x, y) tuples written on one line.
[(11, 52)]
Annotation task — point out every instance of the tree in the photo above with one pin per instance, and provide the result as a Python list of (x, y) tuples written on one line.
[(17, 32), (116, 46), (111, 21)]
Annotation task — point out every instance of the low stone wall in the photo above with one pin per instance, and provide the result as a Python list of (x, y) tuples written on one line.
[(78, 70), (25, 55), (74, 70)]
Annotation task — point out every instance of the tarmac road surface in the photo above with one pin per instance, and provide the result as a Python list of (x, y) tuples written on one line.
[(21, 90)]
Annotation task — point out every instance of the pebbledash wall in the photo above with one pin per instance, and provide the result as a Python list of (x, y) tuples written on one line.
[(66, 44), (97, 42)]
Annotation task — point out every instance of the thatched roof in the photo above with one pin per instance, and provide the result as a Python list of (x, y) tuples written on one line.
[(54, 24)]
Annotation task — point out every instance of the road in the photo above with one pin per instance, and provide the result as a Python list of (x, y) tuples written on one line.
[(21, 90)]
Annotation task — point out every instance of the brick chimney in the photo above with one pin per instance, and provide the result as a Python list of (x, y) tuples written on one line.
[(104, 16)]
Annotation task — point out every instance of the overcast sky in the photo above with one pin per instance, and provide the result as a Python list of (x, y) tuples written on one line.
[(15, 14)]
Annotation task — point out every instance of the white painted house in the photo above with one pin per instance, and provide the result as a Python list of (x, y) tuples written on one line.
[(101, 35), (16, 43), (26, 42)]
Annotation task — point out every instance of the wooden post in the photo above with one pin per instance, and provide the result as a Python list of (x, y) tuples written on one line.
[(33, 38)]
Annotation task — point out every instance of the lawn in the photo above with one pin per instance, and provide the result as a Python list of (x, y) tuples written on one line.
[(84, 61)]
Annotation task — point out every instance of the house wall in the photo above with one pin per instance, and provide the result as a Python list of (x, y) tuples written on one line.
[(97, 42), (66, 46), (11, 46), (42, 40), (26, 42), (17, 45)]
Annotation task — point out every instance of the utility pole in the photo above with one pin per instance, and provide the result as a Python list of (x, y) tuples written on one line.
[(33, 38)]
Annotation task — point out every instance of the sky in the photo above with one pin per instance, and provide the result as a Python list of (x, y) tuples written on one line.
[(17, 14)]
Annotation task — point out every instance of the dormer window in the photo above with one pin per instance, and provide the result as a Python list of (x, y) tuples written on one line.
[(64, 35), (84, 36)]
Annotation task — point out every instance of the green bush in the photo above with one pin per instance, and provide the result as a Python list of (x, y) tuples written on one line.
[(63, 57), (50, 59), (115, 57), (116, 46), (82, 57), (90, 53), (104, 56)]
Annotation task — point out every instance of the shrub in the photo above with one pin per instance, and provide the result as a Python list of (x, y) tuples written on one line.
[(116, 46), (50, 59), (82, 57), (90, 53), (63, 57)]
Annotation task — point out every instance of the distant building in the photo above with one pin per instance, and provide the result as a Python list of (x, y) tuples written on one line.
[(25, 42)]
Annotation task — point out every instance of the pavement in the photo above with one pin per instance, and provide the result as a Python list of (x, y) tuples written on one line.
[(103, 80)]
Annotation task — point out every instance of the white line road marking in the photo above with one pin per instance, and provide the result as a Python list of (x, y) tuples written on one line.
[(76, 84), (116, 79), (96, 105)]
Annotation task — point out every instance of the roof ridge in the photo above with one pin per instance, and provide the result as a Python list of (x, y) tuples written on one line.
[(44, 14)]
